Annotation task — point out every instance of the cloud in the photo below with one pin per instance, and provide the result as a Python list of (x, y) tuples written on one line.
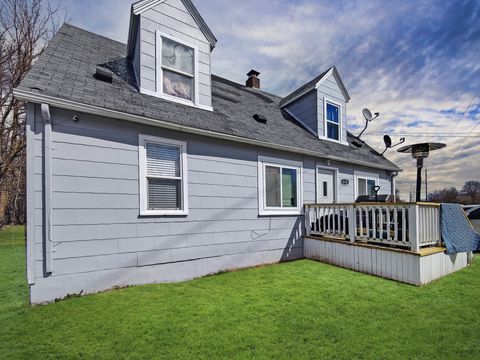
[(415, 61)]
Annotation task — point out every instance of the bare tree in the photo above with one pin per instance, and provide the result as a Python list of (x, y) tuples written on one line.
[(448, 195), (472, 190), (25, 28)]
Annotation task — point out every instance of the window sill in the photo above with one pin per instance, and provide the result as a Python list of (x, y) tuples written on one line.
[(333, 140), (175, 99), (274, 212), (149, 213)]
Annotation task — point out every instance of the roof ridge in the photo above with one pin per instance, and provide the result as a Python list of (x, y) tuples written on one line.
[(246, 87), (68, 24), (305, 87)]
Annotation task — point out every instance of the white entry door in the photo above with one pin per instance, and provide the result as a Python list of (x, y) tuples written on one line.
[(326, 186)]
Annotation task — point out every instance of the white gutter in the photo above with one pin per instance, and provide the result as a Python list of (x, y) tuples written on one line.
[(95, 110), (47, 183)]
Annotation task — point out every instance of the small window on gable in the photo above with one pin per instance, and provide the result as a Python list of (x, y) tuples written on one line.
[(163, 189), (332, 121), (176, 63), (280, 188), (177, 69)]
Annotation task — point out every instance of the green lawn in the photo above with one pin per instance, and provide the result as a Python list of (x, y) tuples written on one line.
[(301, 309)]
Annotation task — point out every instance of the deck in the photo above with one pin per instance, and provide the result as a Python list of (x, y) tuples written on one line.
[(401, 242)]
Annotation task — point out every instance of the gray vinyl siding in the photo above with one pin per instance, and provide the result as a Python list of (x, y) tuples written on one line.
[(172, 18), (99, 239), (96, 222), (329, 89), (346, 193), (305, 110)]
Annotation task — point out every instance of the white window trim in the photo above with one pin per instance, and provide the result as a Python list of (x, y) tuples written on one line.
[(263, 210), (142, 161), (335, 182), (340, 120), (159, 73), (356, 177)]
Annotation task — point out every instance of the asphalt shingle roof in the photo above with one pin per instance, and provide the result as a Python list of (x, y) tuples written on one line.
[(65, 70)]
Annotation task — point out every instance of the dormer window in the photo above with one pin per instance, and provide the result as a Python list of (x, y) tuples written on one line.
[(332, 120), (177, 70)]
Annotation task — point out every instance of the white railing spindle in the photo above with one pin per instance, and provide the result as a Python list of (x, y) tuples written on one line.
[(413, 225)]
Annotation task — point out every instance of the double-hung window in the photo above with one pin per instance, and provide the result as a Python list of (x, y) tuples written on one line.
[(366, 186), (176, 67), (332, 121), (163, 176), (280, 185)]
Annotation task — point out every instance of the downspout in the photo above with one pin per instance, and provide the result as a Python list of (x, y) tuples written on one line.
[(393, 185), (31, 220), (47, 189)]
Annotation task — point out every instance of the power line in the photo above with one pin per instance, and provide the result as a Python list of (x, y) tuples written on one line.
[(466, 109), (459, 135), (464, 146)]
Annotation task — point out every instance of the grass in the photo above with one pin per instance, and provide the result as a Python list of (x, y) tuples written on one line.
[(301, 309)]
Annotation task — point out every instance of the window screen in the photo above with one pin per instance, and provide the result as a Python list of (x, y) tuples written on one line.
[(272, 186), (164, 176)]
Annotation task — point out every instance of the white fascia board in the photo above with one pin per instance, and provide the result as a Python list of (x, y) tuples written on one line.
[(114, 114), (141, 6), (333, 71)]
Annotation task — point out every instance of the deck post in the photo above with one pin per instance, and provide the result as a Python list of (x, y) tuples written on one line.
[(413, 230), (351, 222), (308, 227), (438, 223)]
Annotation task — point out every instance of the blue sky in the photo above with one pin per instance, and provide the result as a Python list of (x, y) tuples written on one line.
[(416, 62)]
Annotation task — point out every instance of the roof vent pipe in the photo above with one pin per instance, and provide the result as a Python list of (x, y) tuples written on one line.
[(253, 81)]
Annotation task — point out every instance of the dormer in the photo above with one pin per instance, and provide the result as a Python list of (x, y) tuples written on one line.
[(170, 45), (321, 106)]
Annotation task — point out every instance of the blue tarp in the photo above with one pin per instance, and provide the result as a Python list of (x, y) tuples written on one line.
[(457, 231)]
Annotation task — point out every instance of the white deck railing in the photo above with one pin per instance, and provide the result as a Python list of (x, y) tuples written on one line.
[(399, 224)]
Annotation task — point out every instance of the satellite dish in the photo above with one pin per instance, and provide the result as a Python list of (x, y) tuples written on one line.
[(367, 114), (388, 141)]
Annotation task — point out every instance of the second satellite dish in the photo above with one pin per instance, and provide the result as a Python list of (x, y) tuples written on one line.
[(388, 143)]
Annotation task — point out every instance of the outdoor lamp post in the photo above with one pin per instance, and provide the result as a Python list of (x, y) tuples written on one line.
[(420, 152)]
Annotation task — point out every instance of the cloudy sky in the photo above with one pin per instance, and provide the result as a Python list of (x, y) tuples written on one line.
[(416, 62)]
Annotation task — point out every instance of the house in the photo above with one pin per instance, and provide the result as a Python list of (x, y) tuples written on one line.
[(143, 167)]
